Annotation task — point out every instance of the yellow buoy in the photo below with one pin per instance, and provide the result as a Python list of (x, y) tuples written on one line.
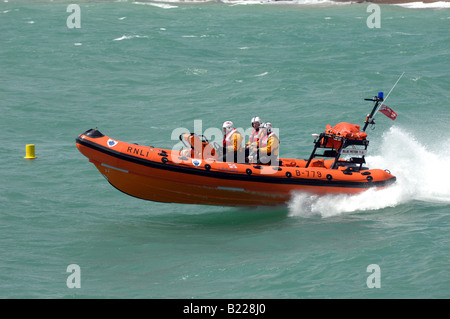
[(30, 151)]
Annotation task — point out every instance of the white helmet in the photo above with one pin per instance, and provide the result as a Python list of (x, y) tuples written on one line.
[(227, 127), (268, 127), (256, 119)]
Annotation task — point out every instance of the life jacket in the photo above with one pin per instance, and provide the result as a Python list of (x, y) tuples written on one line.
[(230, 139), (265, 141), (227, 138), (255, 136)]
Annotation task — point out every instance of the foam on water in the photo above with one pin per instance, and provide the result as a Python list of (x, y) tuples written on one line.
[(128, 37), (159, 5), (287, 2), (421, 5), (422, 174), (412, 5)]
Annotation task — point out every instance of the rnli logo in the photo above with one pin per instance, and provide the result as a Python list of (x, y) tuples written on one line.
[(112, 143), (196, 162)]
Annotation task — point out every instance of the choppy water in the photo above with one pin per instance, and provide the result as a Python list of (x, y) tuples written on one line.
[(137, 71)]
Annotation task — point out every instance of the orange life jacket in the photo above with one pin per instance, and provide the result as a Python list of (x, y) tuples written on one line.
[(228, 140), (255, 136), (265, 142)]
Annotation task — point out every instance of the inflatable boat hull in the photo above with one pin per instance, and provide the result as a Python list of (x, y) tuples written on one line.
[(163, 175)]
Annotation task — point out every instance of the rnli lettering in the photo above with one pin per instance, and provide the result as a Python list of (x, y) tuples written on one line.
[(137, 151)]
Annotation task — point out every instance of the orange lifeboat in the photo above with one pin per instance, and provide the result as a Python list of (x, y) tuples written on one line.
[(197, 175)]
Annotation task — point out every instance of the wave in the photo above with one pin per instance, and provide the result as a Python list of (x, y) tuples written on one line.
[(159, 5), (286, 2), (127, 37), (164, 3), (422, 174), (422, 5), (411, 5)]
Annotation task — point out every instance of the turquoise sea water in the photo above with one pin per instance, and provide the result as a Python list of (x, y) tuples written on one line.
[(137, 71)]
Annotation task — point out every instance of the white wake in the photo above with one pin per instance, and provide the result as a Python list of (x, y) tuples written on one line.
[(422, 174)]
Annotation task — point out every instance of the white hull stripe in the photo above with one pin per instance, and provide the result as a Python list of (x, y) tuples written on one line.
[(117, 169), (235, 189)]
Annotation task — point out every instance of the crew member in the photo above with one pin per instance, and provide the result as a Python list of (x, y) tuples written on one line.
[(269, 145), (255, 136), (232, 142)]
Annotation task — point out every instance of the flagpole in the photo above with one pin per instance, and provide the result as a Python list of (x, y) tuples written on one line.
[(382, 102)]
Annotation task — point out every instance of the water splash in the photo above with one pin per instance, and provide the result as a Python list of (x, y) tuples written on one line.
[(423, 5), (128, 37), (159, 5), (422, 174)]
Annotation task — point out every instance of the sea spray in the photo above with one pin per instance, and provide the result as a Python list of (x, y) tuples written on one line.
[(307, 205), (422, 169), (421, 175)]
